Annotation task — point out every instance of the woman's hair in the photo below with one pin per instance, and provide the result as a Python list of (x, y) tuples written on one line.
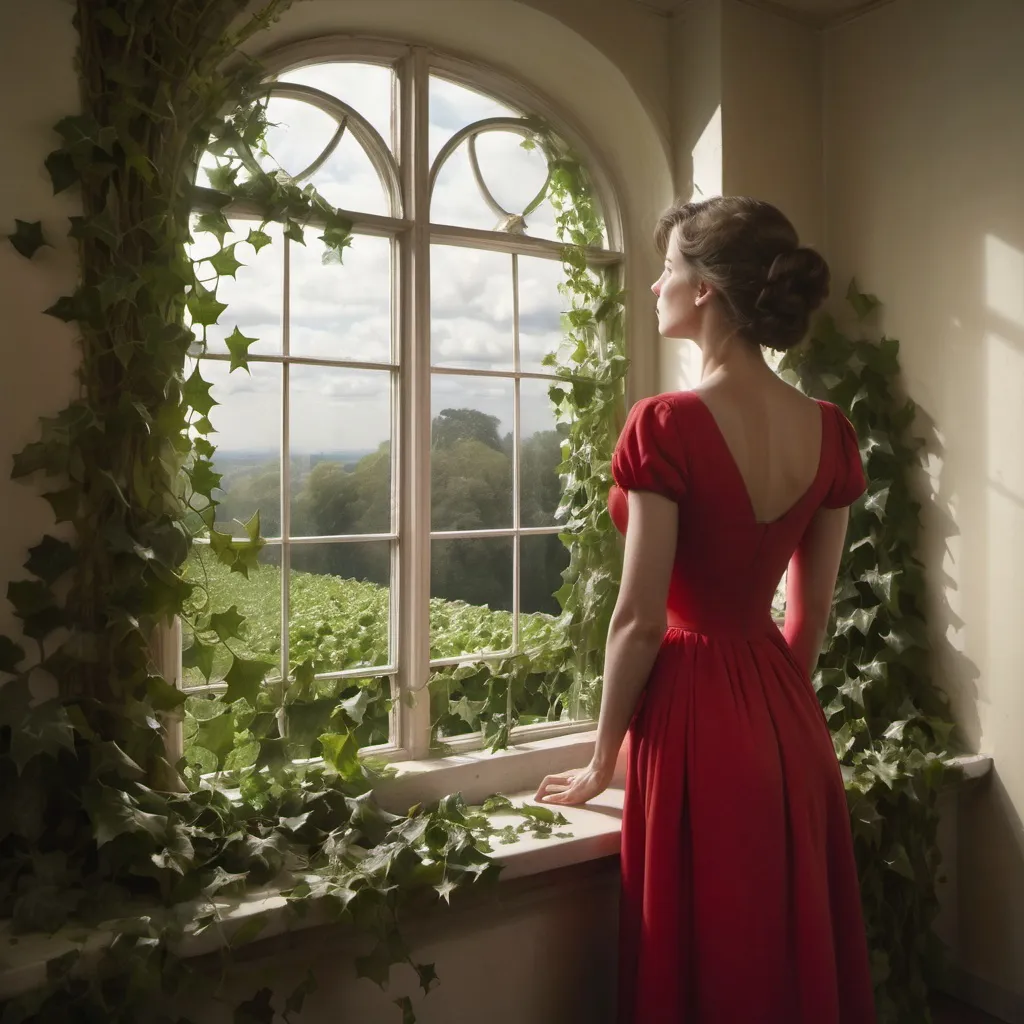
[(749, 252)]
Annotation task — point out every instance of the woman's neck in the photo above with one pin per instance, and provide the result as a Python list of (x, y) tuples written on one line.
[(727, 353)]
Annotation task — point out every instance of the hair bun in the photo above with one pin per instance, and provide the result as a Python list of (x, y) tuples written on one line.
[(797, 285)]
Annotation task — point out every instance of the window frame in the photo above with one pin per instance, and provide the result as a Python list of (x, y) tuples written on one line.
[(412, 235)]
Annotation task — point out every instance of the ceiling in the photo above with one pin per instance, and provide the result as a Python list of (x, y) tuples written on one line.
[(819, 13)]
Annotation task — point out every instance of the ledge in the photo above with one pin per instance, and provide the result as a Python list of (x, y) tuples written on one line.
[(594, 831)]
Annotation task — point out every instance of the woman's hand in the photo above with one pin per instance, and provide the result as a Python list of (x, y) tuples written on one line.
[(573, 788)]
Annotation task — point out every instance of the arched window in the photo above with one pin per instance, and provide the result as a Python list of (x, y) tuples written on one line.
[(394, 429)]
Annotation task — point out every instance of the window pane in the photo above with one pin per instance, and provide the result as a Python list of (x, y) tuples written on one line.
[(298, 135), (471, 311), (247, 421), (540, 489), (457, 198), (471, 453), (542, 559), (349, 180), (366, 87), (340, 451), (514, 175), (341, 310), (254, 296), (339, 605), (257, 598), (479, 573), (540, 311), (452, 107)]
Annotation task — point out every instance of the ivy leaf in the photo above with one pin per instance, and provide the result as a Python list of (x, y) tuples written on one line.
[(376, 966), (244, 679), (297, 997), (427, 975), (224, 262), (405, 1005), (163, 695), (200, 656), (214, 223), (27, 237), (45, 730), (238, 345), (259, 1009), (11, 654), (227, 624), (50, 559), (862, 303), (196, 393), (223, 879), (257, 239), (62, 170), (203, 448), (113, 812), (203, 306), (204, 480), (445, 889), (252, 526), (341, 752), (222, 177), (66, 308)]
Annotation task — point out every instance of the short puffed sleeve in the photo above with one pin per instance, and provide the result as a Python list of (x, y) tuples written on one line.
[(848, 482), (649, 455)]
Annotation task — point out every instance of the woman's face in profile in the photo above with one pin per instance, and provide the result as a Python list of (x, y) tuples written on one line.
[(677, 294)]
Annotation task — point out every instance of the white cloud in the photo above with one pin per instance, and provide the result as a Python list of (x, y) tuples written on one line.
[(345, 311)]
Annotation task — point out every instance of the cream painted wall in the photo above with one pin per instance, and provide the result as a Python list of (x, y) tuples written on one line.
[(924, 160), (38, 353), (771, 124), (540, 950)]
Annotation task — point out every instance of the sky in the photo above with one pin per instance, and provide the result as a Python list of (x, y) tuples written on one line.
[(345, 311)]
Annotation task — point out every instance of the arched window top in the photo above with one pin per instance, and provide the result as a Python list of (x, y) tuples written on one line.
[(337, 124)]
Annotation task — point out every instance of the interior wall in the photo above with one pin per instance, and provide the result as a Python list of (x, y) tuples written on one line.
[(541, 950), (924, 153), (771, 94), (38, 353)]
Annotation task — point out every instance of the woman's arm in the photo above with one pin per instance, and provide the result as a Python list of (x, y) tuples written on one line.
[(811, 583), (634, 638)]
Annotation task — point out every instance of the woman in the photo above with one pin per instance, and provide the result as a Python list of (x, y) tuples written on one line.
[(740, 901)]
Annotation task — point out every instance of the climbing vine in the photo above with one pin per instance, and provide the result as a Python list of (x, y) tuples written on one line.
[(95, 823), (889, 724)]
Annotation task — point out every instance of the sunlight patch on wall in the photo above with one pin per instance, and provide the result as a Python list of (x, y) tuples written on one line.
[(707, 159), (1004, 409), (1004, 279)]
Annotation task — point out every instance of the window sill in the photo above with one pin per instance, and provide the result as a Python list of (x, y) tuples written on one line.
[(594, 832)]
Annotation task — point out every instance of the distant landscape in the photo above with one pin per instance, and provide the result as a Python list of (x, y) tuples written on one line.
[(349, 492)]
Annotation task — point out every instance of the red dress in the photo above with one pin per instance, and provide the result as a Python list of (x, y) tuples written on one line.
[(740, 900)]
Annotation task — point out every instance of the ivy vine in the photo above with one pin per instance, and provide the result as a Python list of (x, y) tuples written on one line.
[(95, 825), (890, 725)]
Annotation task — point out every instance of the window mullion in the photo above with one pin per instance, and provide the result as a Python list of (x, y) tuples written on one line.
[(414, 506)]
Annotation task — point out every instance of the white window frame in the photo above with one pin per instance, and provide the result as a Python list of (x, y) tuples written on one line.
[(533, 748)]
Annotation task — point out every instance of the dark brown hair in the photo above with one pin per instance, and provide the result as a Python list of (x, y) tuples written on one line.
[(748, 251)]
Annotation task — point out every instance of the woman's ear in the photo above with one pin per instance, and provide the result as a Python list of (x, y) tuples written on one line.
[(704, 293)]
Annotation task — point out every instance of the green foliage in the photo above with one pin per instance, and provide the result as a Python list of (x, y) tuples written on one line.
[(889, 724), (97, 825)]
